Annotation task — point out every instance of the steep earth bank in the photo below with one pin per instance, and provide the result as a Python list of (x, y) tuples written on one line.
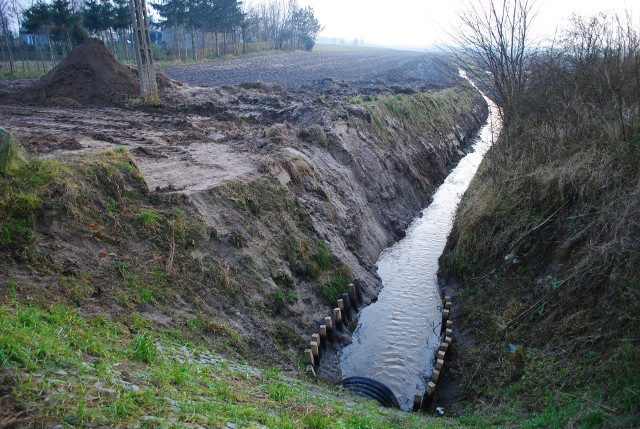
[(543, 259)]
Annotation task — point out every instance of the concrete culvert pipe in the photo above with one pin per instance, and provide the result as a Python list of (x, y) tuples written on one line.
[(373, 389)]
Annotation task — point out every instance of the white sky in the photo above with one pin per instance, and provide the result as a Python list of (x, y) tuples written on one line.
[(422, 23)]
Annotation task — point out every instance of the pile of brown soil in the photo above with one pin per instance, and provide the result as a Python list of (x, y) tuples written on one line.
[(89, 75)]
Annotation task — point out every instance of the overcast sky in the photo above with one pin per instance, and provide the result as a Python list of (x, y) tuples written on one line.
[(422, 23)]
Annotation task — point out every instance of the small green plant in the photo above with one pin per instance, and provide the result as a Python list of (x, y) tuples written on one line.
[(213, 233), (12, 287), (112, 205), (120, 149), (323, 256), (149, 219), (333, 290), (313, 270), (356, 99), (239, 203), (121, 266), (236, 239), (144, 348), (279, 298), (127, 167), (15, 231), (146, 295), (278, 392)]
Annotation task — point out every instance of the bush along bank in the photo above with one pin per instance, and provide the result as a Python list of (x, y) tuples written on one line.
[(543, 255)]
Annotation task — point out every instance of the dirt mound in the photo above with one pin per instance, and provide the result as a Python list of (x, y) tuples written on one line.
[(89, 75)]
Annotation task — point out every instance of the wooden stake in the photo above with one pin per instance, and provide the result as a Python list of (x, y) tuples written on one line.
[(445, 314), (327, 322), (417, 401), (444, 347), (353, 296), (308, 355), (448, 340), (447, 298), (441, 355), (323, 336), (449, 324), (315, 351), (435, 374), (431, 388), (316, 339), (337, 314), (347, 308), (448, 333), (343, 311), (439, 364), (447, 305)]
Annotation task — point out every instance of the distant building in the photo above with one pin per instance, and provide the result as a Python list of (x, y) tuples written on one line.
[(39, 40)]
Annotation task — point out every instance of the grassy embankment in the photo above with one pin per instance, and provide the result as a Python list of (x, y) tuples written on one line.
[(545, 246), (82, 371)]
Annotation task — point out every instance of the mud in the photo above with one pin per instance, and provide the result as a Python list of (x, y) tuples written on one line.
[(89, 75)]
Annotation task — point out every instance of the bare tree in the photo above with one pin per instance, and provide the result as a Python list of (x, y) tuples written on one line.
[(6, 33), (494, 45)]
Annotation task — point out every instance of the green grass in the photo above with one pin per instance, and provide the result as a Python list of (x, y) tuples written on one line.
[(112, 205), (144, 348), (96, 372), (149, 219), (323, 255), (333, 289), (21, 196)]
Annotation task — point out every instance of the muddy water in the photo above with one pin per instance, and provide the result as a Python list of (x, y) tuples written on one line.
[(396, 337)]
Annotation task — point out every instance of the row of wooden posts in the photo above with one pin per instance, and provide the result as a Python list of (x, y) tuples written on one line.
[(422, 400), (343, 315)]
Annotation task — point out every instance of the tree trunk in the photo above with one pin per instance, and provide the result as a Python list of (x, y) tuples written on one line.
[(193, 44), (216, 49), (176, 43), (244, 39), (69, 40), (7, 40), (23, 55), (53, 59), (224, 43), (111, 41)]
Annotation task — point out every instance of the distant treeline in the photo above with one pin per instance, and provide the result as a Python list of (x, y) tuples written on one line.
[(181, 29)]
